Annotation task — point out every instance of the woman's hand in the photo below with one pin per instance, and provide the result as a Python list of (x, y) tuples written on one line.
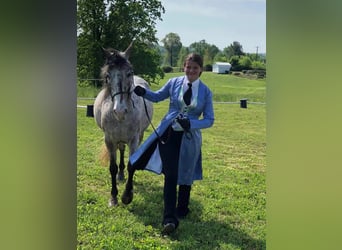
[(140, 91), (184, 122)]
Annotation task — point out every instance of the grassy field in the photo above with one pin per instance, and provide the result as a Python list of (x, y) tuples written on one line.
[(226, 88), (227, 206)]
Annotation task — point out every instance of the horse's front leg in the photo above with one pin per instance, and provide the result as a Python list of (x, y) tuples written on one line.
[(127, 196), (121, 174), (113, 169)]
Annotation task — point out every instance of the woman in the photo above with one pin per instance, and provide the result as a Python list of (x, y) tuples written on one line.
[(175, 148)]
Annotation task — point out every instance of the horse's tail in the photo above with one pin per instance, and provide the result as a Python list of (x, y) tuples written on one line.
[(104, 155)]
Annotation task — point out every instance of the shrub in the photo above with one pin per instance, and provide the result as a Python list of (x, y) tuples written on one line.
[(208, 67), (245, 62), (259, 73), (258, 65), (167, 69)]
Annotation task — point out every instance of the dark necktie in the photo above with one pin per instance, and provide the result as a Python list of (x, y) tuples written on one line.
[(187, 95)]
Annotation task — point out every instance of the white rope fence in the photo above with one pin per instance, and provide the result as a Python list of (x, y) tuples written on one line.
[(261, 103), (242, 102)]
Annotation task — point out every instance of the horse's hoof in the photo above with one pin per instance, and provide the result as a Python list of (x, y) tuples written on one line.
[(113, 202), (127, 197)]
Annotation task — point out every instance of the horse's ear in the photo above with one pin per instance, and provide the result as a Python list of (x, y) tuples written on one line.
[(127, 52), (106, 53)]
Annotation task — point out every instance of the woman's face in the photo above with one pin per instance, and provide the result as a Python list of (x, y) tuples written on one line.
[(192, 70)]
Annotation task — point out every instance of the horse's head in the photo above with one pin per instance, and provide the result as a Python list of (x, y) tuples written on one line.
[(117, 74)]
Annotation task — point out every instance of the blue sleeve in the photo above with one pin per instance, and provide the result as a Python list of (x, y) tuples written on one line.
[(160, 94), (208, 114)]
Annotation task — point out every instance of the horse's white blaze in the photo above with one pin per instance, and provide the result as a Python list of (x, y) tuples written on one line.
[(120, 108)]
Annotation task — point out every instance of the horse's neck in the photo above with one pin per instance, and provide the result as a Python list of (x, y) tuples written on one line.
[(107, 92)]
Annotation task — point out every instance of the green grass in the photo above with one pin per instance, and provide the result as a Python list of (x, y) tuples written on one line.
[(88, 91), (227, 206), (228, 88)]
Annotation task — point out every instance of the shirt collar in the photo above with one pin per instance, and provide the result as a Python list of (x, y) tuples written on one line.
[(194, 83)]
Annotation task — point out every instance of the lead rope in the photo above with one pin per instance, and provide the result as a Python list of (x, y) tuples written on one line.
[(155, 131)]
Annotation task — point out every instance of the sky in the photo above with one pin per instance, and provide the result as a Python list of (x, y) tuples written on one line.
[(218, 22)]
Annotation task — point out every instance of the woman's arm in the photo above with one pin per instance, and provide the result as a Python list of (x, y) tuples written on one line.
[(208, 114), (160, 94)]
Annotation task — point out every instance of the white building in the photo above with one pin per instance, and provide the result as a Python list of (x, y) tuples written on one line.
[(221, 67)]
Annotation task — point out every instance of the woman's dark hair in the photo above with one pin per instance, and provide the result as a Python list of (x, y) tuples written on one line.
[(195, 58)]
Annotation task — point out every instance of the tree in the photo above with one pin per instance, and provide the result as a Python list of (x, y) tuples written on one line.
[(234, 61), (181, 57), (234, 49), (115, 23), (206, 50), (173, 45), (199, 47), (245, 62), (91, 20), (213, 50), (132, 19), (220, 57), (145, 58)]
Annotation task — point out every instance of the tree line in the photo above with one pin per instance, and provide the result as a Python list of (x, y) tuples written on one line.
[(116, 23), (174, 53)]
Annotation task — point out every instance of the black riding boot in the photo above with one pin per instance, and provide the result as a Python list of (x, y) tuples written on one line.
[(183, 201)]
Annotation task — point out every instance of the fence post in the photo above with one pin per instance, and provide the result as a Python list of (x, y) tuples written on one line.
[(243, 103), (90, 110)]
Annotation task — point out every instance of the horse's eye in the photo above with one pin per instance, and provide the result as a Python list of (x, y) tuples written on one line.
[(107, 77), (129, 74)]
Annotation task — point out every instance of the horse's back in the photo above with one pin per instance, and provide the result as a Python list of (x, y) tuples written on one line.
[(145, 118), (98, 106), (140, 81)]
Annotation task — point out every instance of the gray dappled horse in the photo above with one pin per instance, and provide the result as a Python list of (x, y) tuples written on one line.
[(121, 114)]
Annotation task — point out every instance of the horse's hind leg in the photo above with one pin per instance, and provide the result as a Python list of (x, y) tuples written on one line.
[(127, 196), (121, 174)]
